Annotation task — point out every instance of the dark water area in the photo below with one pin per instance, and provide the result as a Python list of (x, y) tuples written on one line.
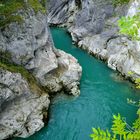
[(103, 94)]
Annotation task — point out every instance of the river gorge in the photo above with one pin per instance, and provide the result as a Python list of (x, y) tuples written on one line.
[(68, 67), (103, 93)]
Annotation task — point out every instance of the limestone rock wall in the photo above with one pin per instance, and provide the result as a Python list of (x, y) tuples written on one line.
[(94, 28), (30, 45), (21, 109)]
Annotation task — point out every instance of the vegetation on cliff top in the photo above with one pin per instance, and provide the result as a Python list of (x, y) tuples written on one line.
[(130, 26), (119, 2), (9, 10)]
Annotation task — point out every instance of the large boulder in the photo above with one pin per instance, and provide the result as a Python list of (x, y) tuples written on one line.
[(67, 75), (22, 110)]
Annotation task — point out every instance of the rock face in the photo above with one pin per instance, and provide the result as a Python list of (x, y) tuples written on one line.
[(66, 75), (21, 110), (63, 12), (94, 28), (30, 45)]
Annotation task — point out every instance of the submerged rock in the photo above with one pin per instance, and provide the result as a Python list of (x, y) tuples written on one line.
[(94, 29)]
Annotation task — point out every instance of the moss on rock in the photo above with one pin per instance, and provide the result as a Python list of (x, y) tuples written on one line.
[(7, 64), (119, 2), (9, 10)]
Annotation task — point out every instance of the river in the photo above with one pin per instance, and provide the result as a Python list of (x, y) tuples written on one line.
[(103, 93)]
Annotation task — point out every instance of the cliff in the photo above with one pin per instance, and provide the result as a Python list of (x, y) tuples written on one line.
[(31, 69), (93, 26)]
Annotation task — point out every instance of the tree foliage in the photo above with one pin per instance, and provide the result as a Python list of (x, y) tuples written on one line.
[(130, 26), (99, 134), (120, 130), (118, 127)]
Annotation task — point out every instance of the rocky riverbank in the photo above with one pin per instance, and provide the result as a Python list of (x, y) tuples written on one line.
[(93, 26), (31, 69)]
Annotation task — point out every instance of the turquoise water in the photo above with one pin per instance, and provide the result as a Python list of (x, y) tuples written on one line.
[(103, 94)]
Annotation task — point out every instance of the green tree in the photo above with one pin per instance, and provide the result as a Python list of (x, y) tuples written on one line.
[(130, 26)]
